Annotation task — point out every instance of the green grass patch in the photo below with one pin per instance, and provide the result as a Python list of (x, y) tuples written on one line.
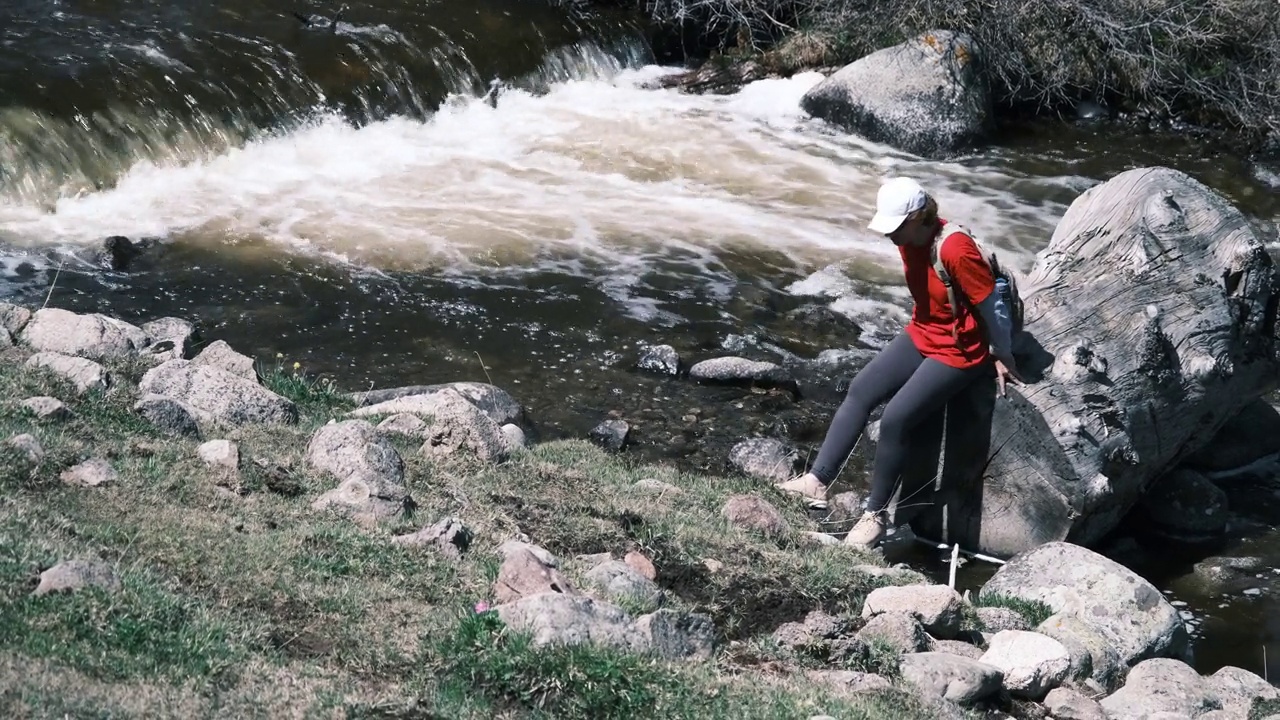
[(1033, 611), (317, 398)]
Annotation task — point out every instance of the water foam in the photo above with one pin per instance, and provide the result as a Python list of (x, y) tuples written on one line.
[(598, 169)]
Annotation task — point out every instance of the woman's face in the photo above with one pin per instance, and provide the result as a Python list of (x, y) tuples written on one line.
[(912, 231)]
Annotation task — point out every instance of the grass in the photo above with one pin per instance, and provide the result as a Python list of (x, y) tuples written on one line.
[(1033, 611), (250, 604)]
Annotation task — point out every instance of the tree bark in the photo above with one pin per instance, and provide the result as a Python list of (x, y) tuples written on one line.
[(1150, 322)]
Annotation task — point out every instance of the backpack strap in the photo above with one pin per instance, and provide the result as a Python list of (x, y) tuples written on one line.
[(935, 254)]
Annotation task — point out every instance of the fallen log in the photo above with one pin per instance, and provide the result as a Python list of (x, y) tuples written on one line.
[(1150, 322)]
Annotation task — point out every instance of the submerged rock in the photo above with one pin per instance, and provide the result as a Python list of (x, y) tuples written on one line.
[(611, 434), (738, 370), (660, 359), (926, 96)]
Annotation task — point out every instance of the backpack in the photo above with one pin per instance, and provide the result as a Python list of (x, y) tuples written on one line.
[(1009, 310)]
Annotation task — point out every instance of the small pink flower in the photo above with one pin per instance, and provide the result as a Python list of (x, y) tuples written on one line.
[(482, 606)]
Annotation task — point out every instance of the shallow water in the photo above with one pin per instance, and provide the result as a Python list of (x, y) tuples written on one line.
[(351, 199)]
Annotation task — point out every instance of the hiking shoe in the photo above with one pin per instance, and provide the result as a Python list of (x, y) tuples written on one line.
[(807, 487), (869, 531)]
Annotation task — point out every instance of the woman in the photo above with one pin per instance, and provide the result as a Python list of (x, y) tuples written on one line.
[(939, 353)]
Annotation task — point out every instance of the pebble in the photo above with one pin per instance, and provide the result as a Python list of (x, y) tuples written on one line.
[(1186, 614), (1178, 603), (1253, 591)]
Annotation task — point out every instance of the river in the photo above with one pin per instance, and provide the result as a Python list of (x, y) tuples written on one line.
[(427, 192)]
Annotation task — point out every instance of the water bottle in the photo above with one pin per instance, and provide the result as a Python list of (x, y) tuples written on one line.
[(1003, 301)]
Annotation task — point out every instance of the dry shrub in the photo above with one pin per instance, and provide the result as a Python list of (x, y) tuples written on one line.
[(1213, 63)]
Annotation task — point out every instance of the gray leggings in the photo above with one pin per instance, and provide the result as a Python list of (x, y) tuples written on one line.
[(918, 387)]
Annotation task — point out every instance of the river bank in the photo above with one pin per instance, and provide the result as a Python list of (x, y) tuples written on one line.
[(185, 536)]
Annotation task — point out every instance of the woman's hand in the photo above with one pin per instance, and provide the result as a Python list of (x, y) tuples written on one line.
[(1006, 371)]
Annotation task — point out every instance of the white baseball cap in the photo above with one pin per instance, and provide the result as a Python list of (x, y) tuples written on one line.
[(897, 199)]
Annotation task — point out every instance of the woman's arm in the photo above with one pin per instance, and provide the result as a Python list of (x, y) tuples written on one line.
[(997, 332)]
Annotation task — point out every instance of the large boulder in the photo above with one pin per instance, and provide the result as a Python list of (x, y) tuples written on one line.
[(1162, 685), (1149, 323), (1102, 594), (217, 394), (926, 96), (96, 337)]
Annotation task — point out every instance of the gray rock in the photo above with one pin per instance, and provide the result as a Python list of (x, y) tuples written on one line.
[(85, 375), (620, 582), (1161, 685), (6, 339), (1092, 656), (900, 630), (370, 471), (661, 359), (220, 355), (1071, 704), (1238, 689), (223, 454), (925, 96), (817, 628), (14, 318), (449, 536), (28, 445), (171, 338), (995, 619), (737, 370), (526, 571), (1251, 435), (939, 608), (95, 337), (405, 424), (958, 647), (1185, 503), (47, 408), (1032, 664), (417, 399), (218, 395), (74, 575), (562, 619), (171, 417), (675, 635), (90, 473), (765, 458), (610, 435), (1126, 609), (514, 437), (458, 425), (751, 512), (950, 677)]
